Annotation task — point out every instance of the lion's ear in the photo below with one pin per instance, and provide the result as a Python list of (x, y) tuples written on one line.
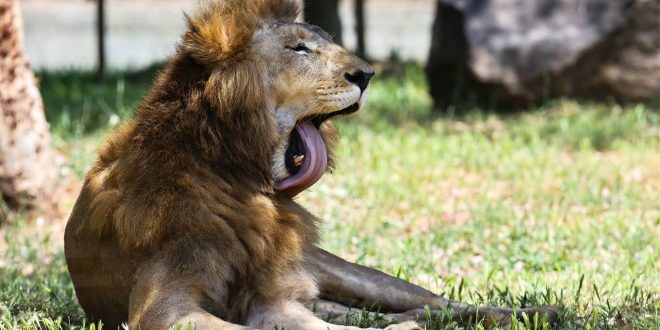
[(280, 10), (222, 28)]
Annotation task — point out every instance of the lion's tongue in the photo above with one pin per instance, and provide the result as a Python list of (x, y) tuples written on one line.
[(314, 164)]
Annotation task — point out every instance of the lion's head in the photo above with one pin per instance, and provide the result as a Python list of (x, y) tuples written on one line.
[(289, 75)]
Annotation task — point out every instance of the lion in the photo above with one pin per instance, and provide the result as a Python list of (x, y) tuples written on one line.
[(188, 217)]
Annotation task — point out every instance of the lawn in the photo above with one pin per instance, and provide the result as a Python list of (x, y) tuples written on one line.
[(557, 205)]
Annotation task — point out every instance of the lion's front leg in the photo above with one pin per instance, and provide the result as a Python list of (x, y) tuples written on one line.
[(292, 315), (351, 284), (161, 298)]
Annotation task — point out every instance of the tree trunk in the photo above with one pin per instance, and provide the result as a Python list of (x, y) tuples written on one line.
[(28, 167), (325, 13)]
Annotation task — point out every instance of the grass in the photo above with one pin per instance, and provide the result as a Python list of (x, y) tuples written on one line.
[(559, 205)]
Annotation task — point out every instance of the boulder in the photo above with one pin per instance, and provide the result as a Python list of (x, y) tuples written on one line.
[(521, 52)]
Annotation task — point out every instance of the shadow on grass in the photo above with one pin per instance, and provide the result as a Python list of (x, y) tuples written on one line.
[(79, 103)]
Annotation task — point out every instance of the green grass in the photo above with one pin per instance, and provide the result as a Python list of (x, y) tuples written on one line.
[(558, 205)]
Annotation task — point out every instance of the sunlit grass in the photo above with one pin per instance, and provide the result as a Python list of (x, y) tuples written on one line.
[(557, 205)]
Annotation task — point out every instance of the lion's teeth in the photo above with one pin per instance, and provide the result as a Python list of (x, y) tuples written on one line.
[(297, 160)]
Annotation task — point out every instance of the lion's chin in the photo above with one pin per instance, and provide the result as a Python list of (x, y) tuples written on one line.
[(306, 156)]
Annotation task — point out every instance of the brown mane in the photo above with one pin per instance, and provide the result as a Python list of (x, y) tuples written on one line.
[(196, 118)]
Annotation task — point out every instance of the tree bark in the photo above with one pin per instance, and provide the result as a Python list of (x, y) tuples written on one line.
[(325, 13), (28, 165)]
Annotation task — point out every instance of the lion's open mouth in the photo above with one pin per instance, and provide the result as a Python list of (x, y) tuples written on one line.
[(306, 157)]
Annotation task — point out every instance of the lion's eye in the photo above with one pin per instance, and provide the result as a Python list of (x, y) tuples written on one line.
[(301, 49)]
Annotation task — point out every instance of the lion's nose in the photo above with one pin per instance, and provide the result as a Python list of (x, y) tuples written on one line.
[(360, 78)]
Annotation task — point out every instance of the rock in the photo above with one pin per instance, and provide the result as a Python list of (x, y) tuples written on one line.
[(521, 52)]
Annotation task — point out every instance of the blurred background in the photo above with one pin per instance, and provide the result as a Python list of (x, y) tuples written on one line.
[(510, 52), (509, 153), (141, 33)]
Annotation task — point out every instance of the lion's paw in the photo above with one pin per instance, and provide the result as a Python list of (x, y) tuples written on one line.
[(410, 325)]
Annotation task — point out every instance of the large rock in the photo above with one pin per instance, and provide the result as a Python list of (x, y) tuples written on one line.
[(521, 51)]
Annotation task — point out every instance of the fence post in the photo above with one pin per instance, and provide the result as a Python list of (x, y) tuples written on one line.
[(360, 28), (100, 35)]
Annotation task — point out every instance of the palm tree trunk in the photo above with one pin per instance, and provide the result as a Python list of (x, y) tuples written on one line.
[(28, 166)]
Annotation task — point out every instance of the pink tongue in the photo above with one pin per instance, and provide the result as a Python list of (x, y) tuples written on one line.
[(313, 166)]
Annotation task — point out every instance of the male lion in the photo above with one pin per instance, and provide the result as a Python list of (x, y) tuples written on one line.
[(187, 216)]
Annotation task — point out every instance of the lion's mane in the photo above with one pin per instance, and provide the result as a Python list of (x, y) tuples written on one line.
[(189, 178)]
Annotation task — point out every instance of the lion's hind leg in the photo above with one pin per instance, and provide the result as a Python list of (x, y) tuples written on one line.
[(343, 282), (337, 313)]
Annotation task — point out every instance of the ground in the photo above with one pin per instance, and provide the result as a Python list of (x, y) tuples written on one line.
[(558, 205)]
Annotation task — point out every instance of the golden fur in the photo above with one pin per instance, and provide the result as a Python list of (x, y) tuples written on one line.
[(178, 221)]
